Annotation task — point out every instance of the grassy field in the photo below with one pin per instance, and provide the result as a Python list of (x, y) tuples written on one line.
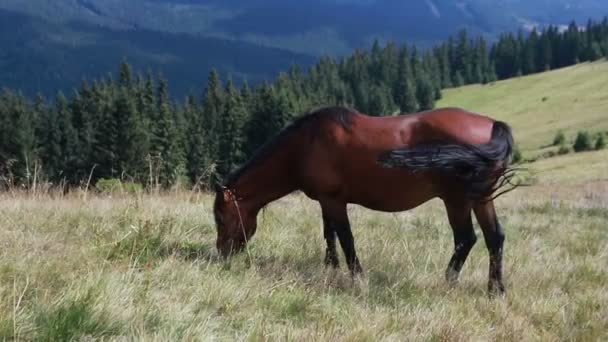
[(83, 266), (145, 268), (540, 105)]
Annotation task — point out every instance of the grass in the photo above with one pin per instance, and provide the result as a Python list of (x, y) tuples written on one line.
[(540, 105), (145, 268), (572, 168)]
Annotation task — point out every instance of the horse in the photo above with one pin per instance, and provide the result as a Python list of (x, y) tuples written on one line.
[(339, 156)]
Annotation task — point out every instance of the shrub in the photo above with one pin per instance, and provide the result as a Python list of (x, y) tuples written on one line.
[(559, 139), (582, 142), (600, 143), (132, 188), (563, 150), (108, 185), (114, 185), (548, 154), (517, 157)]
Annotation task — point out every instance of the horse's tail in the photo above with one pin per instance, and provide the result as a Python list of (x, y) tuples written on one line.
[(482, 169)]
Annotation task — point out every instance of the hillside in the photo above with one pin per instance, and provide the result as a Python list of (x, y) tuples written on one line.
[(572, 169), (540, 105)]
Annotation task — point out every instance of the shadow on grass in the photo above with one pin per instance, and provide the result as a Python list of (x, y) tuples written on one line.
[(189, 251)]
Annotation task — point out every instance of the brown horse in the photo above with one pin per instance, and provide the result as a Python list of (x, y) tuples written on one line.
[(338, 156)]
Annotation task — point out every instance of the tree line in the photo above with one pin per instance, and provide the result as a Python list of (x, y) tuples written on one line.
[(128, 127)]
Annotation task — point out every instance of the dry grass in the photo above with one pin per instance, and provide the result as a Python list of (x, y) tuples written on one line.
[(145, 268)]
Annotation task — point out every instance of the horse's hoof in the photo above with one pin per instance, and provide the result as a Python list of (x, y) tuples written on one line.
[(332, 262), (356, 269), (496, 289), (451, 276), (359, 283)]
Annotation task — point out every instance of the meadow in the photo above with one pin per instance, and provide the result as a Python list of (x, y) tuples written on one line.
[(86, 266), (540, 105)]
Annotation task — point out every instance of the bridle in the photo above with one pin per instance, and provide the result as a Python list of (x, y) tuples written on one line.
[(232, 196)]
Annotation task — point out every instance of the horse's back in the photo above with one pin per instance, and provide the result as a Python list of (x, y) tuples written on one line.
[(456, 125), (447, 124), (342, 158)]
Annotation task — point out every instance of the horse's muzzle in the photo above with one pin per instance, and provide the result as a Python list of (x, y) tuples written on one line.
[(226, 248)]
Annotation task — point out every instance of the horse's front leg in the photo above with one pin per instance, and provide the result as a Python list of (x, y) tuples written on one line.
[(329, 232), (336, 217)]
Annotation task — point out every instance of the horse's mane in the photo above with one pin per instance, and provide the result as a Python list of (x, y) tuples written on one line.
[(340, 115)]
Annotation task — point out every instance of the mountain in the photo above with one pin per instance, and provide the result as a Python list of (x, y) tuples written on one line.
[(316, 27), (66, 40), (42, 56)]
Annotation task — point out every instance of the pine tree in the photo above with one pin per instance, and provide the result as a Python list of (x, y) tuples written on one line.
[(405, 89), (425, 92), (529, 54), (286, 98), (483, 68), (18, 141), (265, 121), (545, 53), (518, 54), (506, 57), (50, 146), (446, 69), (375, 67), (132, 138), (125, 76), (146, 100), (381, 101), (213, 106), (165, 140), (247, 95), (60, 144), (105, 133), (84, 110), (390, 64), (230, 131), (572, 45), (40, 109), (431, 67), (463, 60), (197, 157), (458, 79), (594, 52)]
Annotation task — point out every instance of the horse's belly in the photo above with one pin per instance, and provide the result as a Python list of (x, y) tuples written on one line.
[(392, 193)]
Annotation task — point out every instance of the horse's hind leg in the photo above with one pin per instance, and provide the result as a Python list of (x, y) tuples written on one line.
[(336, 217), (329, 232), (495, 237), (459, 215)]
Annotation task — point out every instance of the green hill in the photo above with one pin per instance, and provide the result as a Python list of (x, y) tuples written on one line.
[(538, 106)]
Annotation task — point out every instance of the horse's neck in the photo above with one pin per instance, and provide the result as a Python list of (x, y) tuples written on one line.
[(264, 183)]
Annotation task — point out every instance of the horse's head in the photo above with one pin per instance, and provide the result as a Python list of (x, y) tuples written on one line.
[(235, 225)]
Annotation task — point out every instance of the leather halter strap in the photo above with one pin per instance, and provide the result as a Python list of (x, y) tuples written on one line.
[(232, 196)]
